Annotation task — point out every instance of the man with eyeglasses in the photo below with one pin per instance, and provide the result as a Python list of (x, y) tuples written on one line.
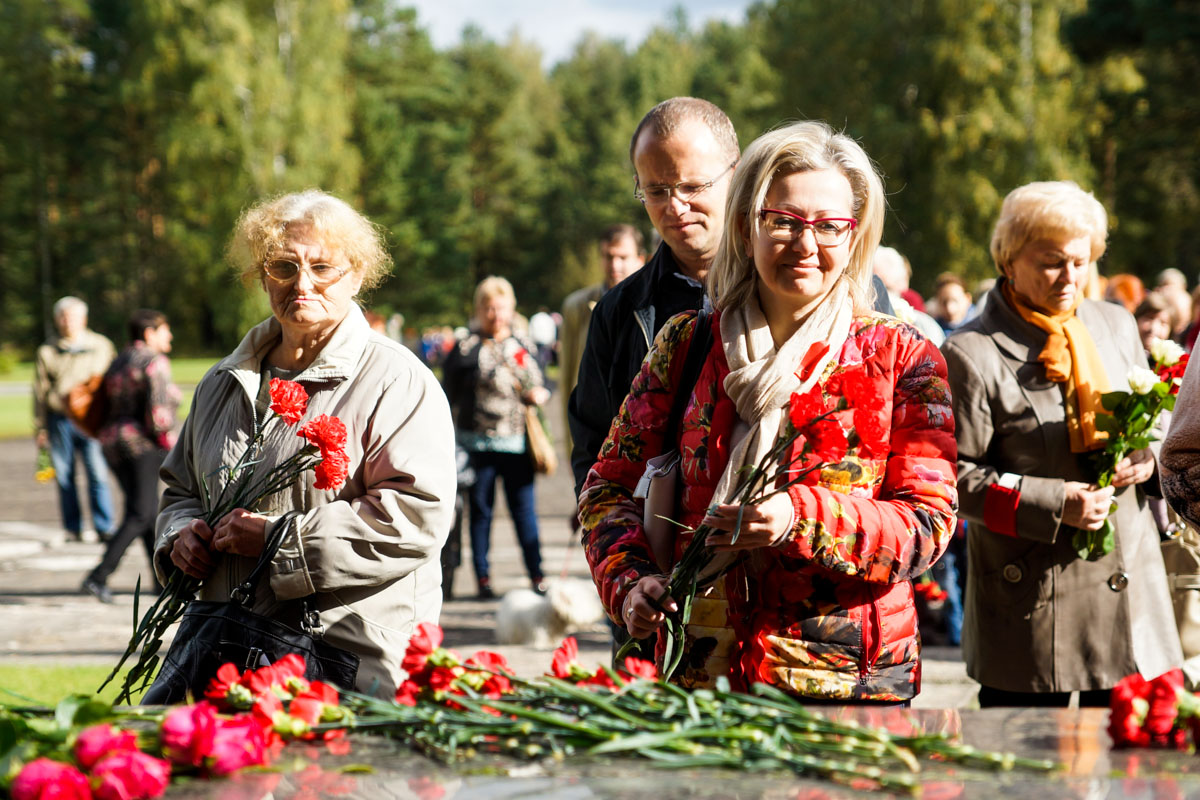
[(684, 151)]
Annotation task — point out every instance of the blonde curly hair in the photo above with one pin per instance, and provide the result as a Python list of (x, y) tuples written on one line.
[(265, 228)]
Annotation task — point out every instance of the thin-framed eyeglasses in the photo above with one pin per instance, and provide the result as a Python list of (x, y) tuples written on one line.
[(657, 194), (784, 226), (285, 271)]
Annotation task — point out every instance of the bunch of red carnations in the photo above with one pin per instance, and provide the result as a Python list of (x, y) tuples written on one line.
[(440, 675), (1154, 713), (246, 486)]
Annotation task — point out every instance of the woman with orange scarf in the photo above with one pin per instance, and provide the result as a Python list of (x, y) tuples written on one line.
[(1027, 376)]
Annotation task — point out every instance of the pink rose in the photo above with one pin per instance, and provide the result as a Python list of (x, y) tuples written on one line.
[(95, 742), (187, 733), (130, 775), (237, 743), (44, 779)]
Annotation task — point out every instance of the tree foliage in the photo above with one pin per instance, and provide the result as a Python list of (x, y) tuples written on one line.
[(137, 130)]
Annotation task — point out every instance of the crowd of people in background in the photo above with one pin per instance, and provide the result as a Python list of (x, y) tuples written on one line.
[(770, 259)]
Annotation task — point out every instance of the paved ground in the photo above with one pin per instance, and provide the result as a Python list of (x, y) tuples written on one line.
[(44, 619)]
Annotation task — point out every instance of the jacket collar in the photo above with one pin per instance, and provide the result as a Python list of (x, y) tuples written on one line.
[(662, 266), (335, 362), (1015, 337)]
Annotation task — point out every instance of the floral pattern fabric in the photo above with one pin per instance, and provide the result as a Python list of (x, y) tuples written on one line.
[(142, 402), (828, 613), (484, 381)]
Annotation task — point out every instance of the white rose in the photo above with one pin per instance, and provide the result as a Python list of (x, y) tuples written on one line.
[(1165, 353), (1141, 380)]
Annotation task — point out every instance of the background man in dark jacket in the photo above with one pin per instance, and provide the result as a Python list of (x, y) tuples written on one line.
[(684, 151)]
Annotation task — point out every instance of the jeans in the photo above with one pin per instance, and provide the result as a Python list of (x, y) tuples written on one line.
[(65, 442), (139, 481), (516, 470)]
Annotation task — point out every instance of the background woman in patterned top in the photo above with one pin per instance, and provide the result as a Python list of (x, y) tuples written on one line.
[(136, 436), (489, 377), (822, 603)]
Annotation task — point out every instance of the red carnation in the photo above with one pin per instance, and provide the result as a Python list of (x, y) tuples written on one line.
[(288, 400), (326, 432), (97, 741), (640, 668), (1128, 707), (187, 733), (565, 657), (427, 639), (406, 695), (872, 431), (857, 388), (332, 470), (497, 683), (804, 408), (828, 441)]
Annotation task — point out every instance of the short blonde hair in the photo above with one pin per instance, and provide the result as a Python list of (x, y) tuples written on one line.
[(264, 228), (1047, 209), (799, 147), (493, 286)]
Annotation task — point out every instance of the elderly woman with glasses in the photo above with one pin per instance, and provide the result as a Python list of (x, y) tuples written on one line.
[(1040, 621), (820, 601), (365, 554)]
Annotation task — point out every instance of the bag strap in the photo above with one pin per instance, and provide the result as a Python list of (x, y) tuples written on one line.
[(698, 349), (244, 593)]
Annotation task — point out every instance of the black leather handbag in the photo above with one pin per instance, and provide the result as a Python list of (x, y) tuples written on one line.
[(212, 634)]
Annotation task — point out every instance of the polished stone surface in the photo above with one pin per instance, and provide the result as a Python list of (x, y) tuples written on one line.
[(1074, 738)]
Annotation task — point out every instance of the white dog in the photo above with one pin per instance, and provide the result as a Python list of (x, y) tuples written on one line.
[(526, 617)]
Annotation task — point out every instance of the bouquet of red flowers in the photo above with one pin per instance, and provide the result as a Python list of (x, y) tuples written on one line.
[(812, 440), (245, 487)]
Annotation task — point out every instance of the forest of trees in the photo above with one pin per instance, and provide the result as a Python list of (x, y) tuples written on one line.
[(136, 130)]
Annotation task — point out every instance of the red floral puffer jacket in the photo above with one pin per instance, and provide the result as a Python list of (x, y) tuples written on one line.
[(829, 613)]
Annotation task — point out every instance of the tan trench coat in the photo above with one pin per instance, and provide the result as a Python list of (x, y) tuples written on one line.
[(1038, 618), (370, 550)]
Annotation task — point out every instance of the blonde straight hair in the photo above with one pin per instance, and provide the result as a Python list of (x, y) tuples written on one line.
[(799, 147)]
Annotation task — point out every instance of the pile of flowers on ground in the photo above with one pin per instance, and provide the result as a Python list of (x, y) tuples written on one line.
[(244, 721), (454, 709), (1154, 713)]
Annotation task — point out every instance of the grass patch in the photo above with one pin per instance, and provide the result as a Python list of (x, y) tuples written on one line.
[(16, 410), (48, 684)]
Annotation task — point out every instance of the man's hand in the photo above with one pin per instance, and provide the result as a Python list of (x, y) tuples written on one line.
[(192, 552)]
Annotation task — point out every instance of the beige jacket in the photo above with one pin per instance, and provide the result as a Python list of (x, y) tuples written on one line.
[(1037, 618), (370, 550), (577, 315), (61, 366)]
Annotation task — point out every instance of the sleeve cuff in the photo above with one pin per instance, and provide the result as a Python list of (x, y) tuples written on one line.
[(1000, 509)]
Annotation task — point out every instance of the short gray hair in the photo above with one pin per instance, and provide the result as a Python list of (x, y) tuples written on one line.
[(1044, 209), (68, 304), (666, 117)]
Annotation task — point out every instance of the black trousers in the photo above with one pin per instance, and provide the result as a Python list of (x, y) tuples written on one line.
[(996, 698), (138, 479)]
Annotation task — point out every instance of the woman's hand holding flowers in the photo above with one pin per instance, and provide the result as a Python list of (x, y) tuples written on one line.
[(192, 552), (241, 532), (1137, 467), (1086, 505), (763, 524), (640, 611)]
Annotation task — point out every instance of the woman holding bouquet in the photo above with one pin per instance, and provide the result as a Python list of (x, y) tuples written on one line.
[(366, 551), (818, 600), (1027, 374), (490, 377)]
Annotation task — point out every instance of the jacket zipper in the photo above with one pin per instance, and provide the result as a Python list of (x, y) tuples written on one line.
[(870, 638)]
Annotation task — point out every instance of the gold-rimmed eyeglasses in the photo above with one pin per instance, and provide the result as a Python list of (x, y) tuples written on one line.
[(657, 194), (285, 271)]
